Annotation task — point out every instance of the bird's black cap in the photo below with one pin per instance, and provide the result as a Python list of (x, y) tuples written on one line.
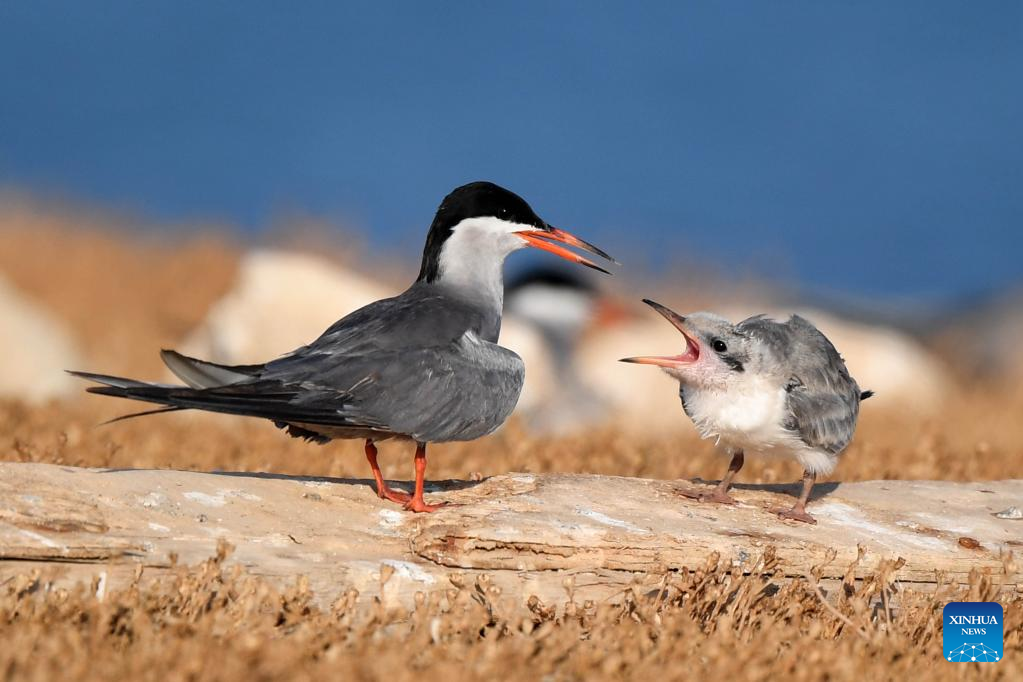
[(476, 200)]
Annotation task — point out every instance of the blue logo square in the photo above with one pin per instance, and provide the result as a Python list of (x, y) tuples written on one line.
[(972, 631)]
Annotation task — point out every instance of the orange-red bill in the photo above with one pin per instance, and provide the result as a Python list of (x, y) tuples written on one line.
[(549, 241), (568, 238), (691, 353)]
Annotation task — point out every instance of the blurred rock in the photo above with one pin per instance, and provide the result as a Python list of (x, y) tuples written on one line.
[(35, 349), (983, 337)]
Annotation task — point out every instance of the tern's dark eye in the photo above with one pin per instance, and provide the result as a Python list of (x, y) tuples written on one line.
[(718, 345)]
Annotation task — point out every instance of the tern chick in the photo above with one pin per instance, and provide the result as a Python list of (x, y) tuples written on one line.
[(423, 366), (764, 387)]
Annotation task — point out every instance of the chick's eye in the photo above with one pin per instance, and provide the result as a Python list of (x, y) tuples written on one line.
[(718, 345)]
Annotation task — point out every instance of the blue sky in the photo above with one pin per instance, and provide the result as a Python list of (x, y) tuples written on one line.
[(870, 148)]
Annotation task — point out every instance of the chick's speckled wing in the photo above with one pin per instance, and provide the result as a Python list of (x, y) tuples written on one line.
[(823, 400), (412, 365)]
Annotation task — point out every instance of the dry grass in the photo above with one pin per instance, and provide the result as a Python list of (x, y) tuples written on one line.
[(125, 298), (209, 622)]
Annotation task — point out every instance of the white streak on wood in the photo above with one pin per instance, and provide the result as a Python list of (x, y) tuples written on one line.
[(39, 538), (205, 499), (609, 521)]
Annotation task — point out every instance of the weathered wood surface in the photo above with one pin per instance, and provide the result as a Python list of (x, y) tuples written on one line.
[(527, 532)]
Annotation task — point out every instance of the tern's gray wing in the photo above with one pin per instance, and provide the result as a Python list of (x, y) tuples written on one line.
[(823, 401), (460, 391), (413, 365)]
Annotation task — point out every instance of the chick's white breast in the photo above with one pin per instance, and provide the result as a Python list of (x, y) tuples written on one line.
[(747, 417)]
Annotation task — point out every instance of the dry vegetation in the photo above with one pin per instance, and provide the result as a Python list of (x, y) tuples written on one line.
[(127, 297), (214, 623)]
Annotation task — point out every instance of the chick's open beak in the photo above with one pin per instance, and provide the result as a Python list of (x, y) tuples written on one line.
[(548, 240), (692, 350)]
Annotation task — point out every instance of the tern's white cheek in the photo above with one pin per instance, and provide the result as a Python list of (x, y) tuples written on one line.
[(479, 243), (473, 256)]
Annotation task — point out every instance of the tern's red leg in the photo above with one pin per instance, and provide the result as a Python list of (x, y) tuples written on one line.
[(383, 492), (798, 511), (417, 503), (720, 493)]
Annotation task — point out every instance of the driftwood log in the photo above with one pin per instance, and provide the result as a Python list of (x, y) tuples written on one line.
[(528, 533)]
